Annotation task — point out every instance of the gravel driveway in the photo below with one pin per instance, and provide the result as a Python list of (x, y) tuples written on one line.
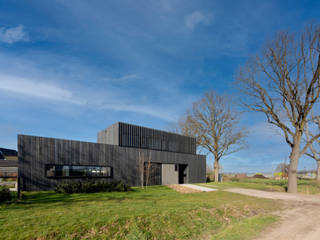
[(300, 220)]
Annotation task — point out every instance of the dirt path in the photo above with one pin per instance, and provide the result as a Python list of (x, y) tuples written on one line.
[(182, 189), (300, 220), (199, 188), (190, 188)]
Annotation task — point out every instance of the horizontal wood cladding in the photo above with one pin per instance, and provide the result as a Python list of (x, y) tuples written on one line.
[(35, 152), (128, 135), (8, 163)]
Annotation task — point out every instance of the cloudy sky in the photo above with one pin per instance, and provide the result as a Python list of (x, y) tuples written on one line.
[(71, 68)]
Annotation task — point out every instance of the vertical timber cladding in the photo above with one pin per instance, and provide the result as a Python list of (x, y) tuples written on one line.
[(36, 152), (110, 135), (142, 137), (152, 174)]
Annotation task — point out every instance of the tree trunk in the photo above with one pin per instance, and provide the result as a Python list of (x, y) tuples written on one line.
[(318, 171), (216, 170), (292, 176)]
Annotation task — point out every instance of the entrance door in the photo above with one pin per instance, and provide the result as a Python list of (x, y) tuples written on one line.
[(182, 173)]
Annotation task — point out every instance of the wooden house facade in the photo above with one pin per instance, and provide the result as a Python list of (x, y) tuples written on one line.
[(171, 158)]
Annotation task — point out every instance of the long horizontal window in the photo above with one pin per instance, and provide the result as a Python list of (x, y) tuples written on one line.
[(75, 171)]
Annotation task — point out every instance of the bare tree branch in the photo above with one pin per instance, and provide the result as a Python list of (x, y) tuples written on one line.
[(215, 124), (314, 151), (283, 82)]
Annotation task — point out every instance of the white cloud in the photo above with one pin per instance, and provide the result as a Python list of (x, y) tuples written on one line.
[(12, 35), (39, 89), (151, 111), (124, 79), (26, 77), (197, 17)]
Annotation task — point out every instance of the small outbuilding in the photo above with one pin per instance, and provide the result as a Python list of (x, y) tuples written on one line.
[(8, 163), (8, 154)]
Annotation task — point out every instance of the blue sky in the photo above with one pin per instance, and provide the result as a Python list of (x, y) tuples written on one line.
[(71, 68)]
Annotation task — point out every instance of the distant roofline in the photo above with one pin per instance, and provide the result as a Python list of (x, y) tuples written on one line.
[(8, 152)]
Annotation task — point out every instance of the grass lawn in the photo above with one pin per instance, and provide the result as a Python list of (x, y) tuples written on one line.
[(304, 186), (156, 213)]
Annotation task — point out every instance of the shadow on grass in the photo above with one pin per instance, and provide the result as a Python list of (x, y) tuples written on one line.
[(50, 197)]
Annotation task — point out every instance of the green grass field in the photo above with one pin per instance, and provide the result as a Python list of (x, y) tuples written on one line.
[(155, 213), (304, 186)]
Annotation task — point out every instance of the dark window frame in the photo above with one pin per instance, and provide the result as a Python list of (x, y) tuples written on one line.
[(80, 177)]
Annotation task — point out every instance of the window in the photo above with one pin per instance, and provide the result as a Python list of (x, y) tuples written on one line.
[(74, 171)]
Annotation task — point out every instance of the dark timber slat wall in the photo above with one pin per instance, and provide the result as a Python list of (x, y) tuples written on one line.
[(128, 135), (35, 152), (109, 135)]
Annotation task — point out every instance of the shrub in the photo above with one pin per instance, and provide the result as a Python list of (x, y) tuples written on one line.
[(278, 174), (234, 179), (91, 186), (259, 175), (5, 194)]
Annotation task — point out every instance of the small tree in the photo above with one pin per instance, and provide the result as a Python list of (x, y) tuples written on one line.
[(144, 168), (283, 168), (283, 82), (141, 167), (215, 123), (148, 169)]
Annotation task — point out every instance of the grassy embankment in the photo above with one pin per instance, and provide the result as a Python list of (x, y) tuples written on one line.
[(155, 213), (304, 186)]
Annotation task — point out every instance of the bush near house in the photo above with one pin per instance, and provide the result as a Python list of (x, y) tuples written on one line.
[(91, 186), (5, 194)]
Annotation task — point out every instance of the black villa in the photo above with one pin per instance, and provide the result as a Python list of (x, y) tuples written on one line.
[(43, 162)]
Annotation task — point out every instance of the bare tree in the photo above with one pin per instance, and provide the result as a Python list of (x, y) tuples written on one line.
[(314, 151), (144, 168), (283, 168), (283, 83), (215, 124), (148, 169)]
